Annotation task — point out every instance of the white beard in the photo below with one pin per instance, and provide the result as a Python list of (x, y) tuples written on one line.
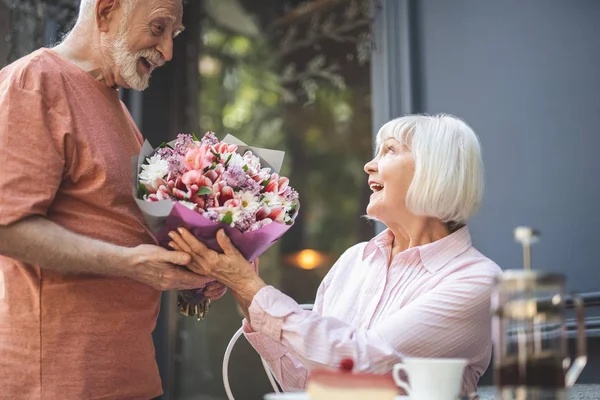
[(126, 62)]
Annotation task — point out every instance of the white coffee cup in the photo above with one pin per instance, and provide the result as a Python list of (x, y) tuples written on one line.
[(431, 378)]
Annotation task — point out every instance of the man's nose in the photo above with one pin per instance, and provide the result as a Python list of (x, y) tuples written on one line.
[(165, 48)]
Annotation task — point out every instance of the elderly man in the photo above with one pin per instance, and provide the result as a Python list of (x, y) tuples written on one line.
[(80, 280)]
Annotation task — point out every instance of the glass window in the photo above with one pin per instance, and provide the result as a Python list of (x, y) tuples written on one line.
[(293, 76)]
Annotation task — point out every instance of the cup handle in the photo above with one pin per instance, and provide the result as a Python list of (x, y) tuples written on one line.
[(399, 382)]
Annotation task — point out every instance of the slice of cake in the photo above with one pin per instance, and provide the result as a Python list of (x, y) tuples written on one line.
[(343, 384)]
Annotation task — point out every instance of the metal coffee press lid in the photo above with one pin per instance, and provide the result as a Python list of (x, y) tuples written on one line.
[(526, 236), (527, 278)]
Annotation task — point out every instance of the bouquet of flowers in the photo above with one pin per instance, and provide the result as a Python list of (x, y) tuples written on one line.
[(206, 185)]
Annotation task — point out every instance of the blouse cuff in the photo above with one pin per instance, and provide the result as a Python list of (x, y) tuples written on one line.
[(268, 311)]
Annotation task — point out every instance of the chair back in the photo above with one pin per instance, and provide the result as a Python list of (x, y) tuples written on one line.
[(268, 371)]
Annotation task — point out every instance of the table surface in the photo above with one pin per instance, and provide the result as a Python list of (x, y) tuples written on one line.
[(578, 392)]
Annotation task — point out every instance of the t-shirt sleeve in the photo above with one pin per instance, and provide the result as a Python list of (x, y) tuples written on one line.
[(31, 154)]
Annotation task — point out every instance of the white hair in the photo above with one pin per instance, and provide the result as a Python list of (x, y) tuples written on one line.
[(448, 182), (87, 8)]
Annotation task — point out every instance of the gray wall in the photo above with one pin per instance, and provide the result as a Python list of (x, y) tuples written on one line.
[(526, 76)]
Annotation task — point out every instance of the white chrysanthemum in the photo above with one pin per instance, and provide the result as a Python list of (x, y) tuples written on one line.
[(156, 169), (271, 199), (236, 160), (287, 205), (249, 201), (252, 161)]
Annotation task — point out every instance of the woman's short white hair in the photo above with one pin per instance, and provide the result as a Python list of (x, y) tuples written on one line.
[(449, 181)]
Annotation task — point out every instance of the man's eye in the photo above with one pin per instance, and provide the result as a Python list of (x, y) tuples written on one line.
[(158, 29)]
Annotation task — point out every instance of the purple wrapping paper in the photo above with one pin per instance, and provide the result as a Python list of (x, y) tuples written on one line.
[(250, 244)]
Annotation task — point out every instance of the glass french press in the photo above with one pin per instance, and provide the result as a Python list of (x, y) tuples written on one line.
[(531, 356)]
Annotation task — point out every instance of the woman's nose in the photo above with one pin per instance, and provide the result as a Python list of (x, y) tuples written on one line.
[(371, 166)]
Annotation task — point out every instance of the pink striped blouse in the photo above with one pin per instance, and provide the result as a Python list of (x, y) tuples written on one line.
[(432, 301)]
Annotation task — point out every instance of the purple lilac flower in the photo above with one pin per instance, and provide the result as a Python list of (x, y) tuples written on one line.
[(211, 215), (183, 144), (176, 169), (245, 220), (290, 195), (164, 152), (210, 139), (236, 177)]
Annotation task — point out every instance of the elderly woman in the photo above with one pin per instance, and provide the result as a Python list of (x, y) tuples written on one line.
[(419, 289)]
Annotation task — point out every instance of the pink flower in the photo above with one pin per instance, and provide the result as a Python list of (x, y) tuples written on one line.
[(215, 174), (180, 194), (277, 214), (198, 158), (262, 175), (196, 177), (263, 212), (232, 203), (221, 193), (163, 192), (283, 184), (272, 187), (226, 195), (223, 147)]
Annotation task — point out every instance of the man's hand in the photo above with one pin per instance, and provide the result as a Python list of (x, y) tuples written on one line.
[(38, 241), (164, 270), (215, 290)]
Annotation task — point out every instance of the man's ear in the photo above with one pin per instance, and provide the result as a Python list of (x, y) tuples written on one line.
[(104, 12)]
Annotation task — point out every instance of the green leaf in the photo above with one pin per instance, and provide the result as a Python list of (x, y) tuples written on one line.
[(206, 169), (142, 191), (245, 167), (227, 218), (228, 159), (164, 144), (204, 190), (194, 137), (218, 155)]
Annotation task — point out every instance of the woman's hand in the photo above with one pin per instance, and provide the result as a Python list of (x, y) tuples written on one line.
[(230, 268)]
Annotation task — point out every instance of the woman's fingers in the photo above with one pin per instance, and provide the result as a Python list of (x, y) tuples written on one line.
[(254, 265), (179, 242), (174, 246), (194, 244)]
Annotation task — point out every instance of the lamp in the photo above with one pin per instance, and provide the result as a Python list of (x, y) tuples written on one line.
[(307, 259)]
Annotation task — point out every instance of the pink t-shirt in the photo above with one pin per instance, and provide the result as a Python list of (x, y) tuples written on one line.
[(432, 301), (66, 142)]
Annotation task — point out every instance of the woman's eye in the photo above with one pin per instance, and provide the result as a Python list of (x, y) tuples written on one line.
[(390, 149)]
